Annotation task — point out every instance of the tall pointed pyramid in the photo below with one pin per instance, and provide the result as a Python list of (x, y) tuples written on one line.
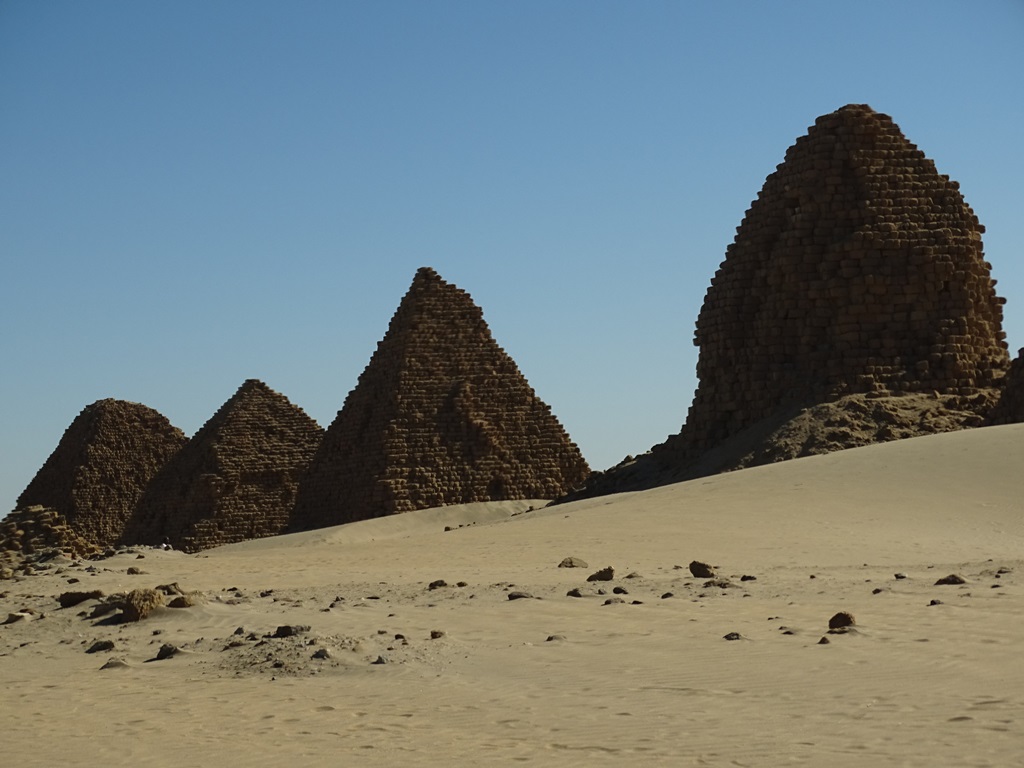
[(237, 477), (102, 465), (441, 415)]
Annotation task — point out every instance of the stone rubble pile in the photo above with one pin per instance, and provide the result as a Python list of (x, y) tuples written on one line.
[(35, 531)]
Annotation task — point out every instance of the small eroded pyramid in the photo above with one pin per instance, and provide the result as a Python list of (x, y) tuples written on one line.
[(440, 416), (237, 477), (101, 467)]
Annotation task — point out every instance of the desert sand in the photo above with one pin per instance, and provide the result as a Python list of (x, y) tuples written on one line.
[(928, 675)]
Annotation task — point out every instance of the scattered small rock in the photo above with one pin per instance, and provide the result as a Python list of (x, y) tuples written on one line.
[(166, 651), (732, 636), (701, 570), (182, 601), (139, 603), (115, 664), (436, 634), (935, 602), (613, 601), (71, 599), (748, 577), (437, 584), (100, 645), (877, 591), (321, 653), (379, 660), (667, 595), (605, 574), (620, 591), (554, 638), (951, 579), (573, 562), (133, 571), (291, 630), (841, 619), (899, 576), (520, 596), (824, 641), (174, 589), (574, 592)]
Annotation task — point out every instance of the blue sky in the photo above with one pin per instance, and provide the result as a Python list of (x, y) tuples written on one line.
[(196, 193)]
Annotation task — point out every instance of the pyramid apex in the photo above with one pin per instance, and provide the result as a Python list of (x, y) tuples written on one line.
[(427, 273)]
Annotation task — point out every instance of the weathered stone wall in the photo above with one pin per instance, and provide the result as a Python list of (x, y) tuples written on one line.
[(236, 479), (102, 465), (440, 416), (34, 530), (859, 268), (1010, 408)]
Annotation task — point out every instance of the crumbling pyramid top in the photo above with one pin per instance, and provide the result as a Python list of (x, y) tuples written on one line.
[(441, 415), (102, 465), (236, 478)]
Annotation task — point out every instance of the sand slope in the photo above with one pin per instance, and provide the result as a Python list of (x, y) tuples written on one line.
[(652, 683)]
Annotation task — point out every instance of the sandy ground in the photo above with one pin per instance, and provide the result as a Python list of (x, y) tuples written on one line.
[(557, 680)]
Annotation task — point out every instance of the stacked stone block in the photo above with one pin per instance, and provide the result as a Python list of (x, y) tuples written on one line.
[(35, 530), (1010, 408), (236, 479), (441, 415), (103, 463), (858, 269)]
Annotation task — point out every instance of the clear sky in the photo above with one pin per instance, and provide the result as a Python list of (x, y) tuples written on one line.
[(193, 193)]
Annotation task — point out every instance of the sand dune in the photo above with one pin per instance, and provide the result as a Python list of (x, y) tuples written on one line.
[(649, 680)]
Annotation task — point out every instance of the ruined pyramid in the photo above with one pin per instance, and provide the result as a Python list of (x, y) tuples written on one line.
[(856, 275), (236, 479), (440, 416), (101, 466)]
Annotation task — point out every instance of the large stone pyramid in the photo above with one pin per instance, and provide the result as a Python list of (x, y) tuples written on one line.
[(102, 465), (859, 268), (237, 477), (440, 416), (854, 306)]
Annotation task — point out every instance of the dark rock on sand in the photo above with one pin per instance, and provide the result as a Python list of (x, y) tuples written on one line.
[(166, 651), (291, 630), (951, 579), (100, 645), (701, 570), (71, 599), (841, 619), (605, 574)]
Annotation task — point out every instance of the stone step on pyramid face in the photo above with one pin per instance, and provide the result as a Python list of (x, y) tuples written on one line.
[(102, 465), (441, 415), (858, 268), (236, 479)]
